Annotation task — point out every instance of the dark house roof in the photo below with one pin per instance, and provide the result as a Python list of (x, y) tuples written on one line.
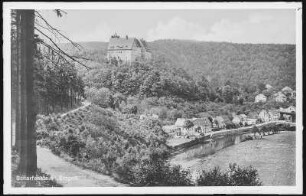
[(252, 115), (202, 122), (121, 43), (117, 43), (226, 119)]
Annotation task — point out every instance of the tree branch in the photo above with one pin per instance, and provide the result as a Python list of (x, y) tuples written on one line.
[(52, 49), (78, 46), (60, 50)]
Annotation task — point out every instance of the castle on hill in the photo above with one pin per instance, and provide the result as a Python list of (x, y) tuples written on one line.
[(127, 49)]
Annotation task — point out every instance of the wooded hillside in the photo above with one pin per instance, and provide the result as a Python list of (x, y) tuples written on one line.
[(245, 64)]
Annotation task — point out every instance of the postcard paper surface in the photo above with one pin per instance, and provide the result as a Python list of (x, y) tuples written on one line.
[(152, 98)]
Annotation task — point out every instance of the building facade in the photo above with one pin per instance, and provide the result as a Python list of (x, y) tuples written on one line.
[(280, 97), (127, 50), (264, 116), (260, 98)]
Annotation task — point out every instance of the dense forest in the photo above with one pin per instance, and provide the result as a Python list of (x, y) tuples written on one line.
[(245, 64), (180, 81)]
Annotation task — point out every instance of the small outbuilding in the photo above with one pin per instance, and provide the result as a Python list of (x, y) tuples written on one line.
[(280, 97), (264, 116), (260, 98)]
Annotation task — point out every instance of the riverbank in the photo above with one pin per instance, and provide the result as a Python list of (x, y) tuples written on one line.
[(273, 157)]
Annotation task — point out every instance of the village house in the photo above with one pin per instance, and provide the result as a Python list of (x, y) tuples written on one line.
[(280, 97), (287, 90), (127, 49), (243, 119), (274, 114), (253, 115), (145, 116), (227, 121), (142, 117), (289, 117), (251, 121), (290, 109), (155, 116), (219, 121), (202, 125), (268, 86), (181, 128), (260, 98), (172, 130), (264, 116), (293, 95), (252, 118), (180, 122), (236, 120)]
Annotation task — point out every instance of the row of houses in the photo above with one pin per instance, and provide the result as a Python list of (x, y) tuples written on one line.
[(281, 96), (190, 128), (197, 127)]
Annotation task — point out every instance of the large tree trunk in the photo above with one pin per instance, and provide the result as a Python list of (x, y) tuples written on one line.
[(18, 80), (28, 156), (14, 74)]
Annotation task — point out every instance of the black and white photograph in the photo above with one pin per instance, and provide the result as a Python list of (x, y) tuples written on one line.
[(152, 98)]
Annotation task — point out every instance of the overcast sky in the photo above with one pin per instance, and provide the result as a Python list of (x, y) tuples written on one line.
[(238, 26)]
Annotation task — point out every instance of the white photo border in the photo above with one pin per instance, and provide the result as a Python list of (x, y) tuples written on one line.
[(8, 189)]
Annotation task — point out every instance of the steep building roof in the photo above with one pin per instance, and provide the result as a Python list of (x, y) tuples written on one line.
[(117, 43), (242, 116), (279, 94), (268, 86), (287, 89), (121, 43), (236, 119), (201, 122), (227, 120), (220, 119), (180, 122), (205, 115), (260, 96), (253, 115)]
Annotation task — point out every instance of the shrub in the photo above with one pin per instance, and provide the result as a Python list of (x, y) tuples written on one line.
[(174, 114), (153, 170), (101, 97), (235, 176), (130, 109), (247, 176), (213, 177), (188, 124), (160, 111)]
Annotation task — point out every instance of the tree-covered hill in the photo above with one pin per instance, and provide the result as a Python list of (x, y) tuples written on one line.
[(272, 64), (246, 64)]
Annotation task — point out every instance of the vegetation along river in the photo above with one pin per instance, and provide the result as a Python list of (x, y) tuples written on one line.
[(273, 157)]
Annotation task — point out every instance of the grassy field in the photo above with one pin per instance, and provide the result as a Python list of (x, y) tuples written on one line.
[(273, 157)]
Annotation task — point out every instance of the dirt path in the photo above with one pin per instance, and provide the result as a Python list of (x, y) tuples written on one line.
[(84, 104), (69, 175)]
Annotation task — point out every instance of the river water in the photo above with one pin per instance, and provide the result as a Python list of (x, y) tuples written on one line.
[(273, 157)]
